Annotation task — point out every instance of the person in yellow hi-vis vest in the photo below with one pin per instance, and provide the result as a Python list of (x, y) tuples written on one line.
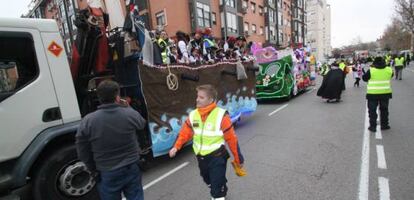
[(344, 69), (163, 42), (210, 127), (399, 65), (379, 92)]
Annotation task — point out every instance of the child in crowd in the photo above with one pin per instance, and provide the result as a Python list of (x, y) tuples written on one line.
[(357, 72)]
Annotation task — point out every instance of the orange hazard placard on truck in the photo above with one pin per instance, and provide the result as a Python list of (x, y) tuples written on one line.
[(55, 49)]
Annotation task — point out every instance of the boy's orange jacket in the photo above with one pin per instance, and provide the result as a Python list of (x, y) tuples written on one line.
[(186, 133)]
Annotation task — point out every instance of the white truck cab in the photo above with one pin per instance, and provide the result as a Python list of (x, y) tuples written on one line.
[(39, 114)]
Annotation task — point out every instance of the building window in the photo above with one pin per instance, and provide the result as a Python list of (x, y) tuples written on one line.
[(245, 4), (271, 16), (261, 30), (203, 15), (231, 3), (280, 37), (68, 45), (246, 26), (260, 10), (63, 29), (74, 28), (271, 2), (213, 18), (272, 31), (231, 22), (280, 18), (160, 17), (253, 7), (254, 28)]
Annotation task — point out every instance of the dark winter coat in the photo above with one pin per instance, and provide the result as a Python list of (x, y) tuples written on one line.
[(332, 84)]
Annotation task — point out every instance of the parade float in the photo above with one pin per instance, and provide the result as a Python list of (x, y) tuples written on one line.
[(169, 94), (163, 94), (282, 74)]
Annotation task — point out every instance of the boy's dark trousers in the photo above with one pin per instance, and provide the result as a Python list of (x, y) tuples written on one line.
[(213, 170), (372, 111)]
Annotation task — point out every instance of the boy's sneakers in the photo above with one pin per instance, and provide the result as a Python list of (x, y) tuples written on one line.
[(385, 127)]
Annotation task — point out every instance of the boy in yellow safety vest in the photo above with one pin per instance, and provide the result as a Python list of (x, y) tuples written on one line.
[(210, 128)]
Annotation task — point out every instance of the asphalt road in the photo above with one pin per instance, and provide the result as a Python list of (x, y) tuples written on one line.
[(306, 148)]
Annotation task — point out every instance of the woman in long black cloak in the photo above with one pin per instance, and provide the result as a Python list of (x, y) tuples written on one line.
[(332, 84)]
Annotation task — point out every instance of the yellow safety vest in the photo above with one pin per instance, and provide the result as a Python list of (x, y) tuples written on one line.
[(380, 81), (164, 55), (208, 135), (342, 66), (399, 61)]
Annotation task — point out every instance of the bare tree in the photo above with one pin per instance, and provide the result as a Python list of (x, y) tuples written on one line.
[(395, 36), (405, 8)]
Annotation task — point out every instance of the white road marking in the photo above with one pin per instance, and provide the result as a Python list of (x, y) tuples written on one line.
[(384, 188), (378, 134), (364, 174), (163, 176), (311, 90), (382, 164), (277, 110)]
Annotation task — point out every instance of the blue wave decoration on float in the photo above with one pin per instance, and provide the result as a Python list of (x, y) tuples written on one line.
[(163, 138)]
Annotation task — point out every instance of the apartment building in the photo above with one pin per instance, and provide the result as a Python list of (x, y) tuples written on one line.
[(225, 17), (254, 20), (319, 28), (298, 23), (286, 18), (267, 21)]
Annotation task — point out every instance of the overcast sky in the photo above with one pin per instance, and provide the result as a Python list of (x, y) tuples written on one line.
[(13, 8), (350, 18), (364, 18)]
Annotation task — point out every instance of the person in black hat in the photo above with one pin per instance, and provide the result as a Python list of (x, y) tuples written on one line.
[(378, 92)]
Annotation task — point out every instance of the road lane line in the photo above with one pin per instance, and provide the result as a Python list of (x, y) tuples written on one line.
[(378, 134), (277, 110), (162, 177), (165, 175), (310, 91), (382, 164), (364, 174), (384, 188)]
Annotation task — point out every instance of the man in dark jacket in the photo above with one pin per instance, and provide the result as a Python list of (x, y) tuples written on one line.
[(107, 143), (378, 92), (332, 84)]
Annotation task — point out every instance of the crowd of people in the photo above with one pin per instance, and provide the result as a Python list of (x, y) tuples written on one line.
[(335, 73), (199, 48)]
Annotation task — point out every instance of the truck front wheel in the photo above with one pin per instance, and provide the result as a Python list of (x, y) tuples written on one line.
[(62, 176)]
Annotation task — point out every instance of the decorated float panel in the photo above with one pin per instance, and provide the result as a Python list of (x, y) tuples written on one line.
[(169, 100), (281, 74)]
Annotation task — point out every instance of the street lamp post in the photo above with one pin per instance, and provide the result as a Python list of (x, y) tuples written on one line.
[(225, 19)]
